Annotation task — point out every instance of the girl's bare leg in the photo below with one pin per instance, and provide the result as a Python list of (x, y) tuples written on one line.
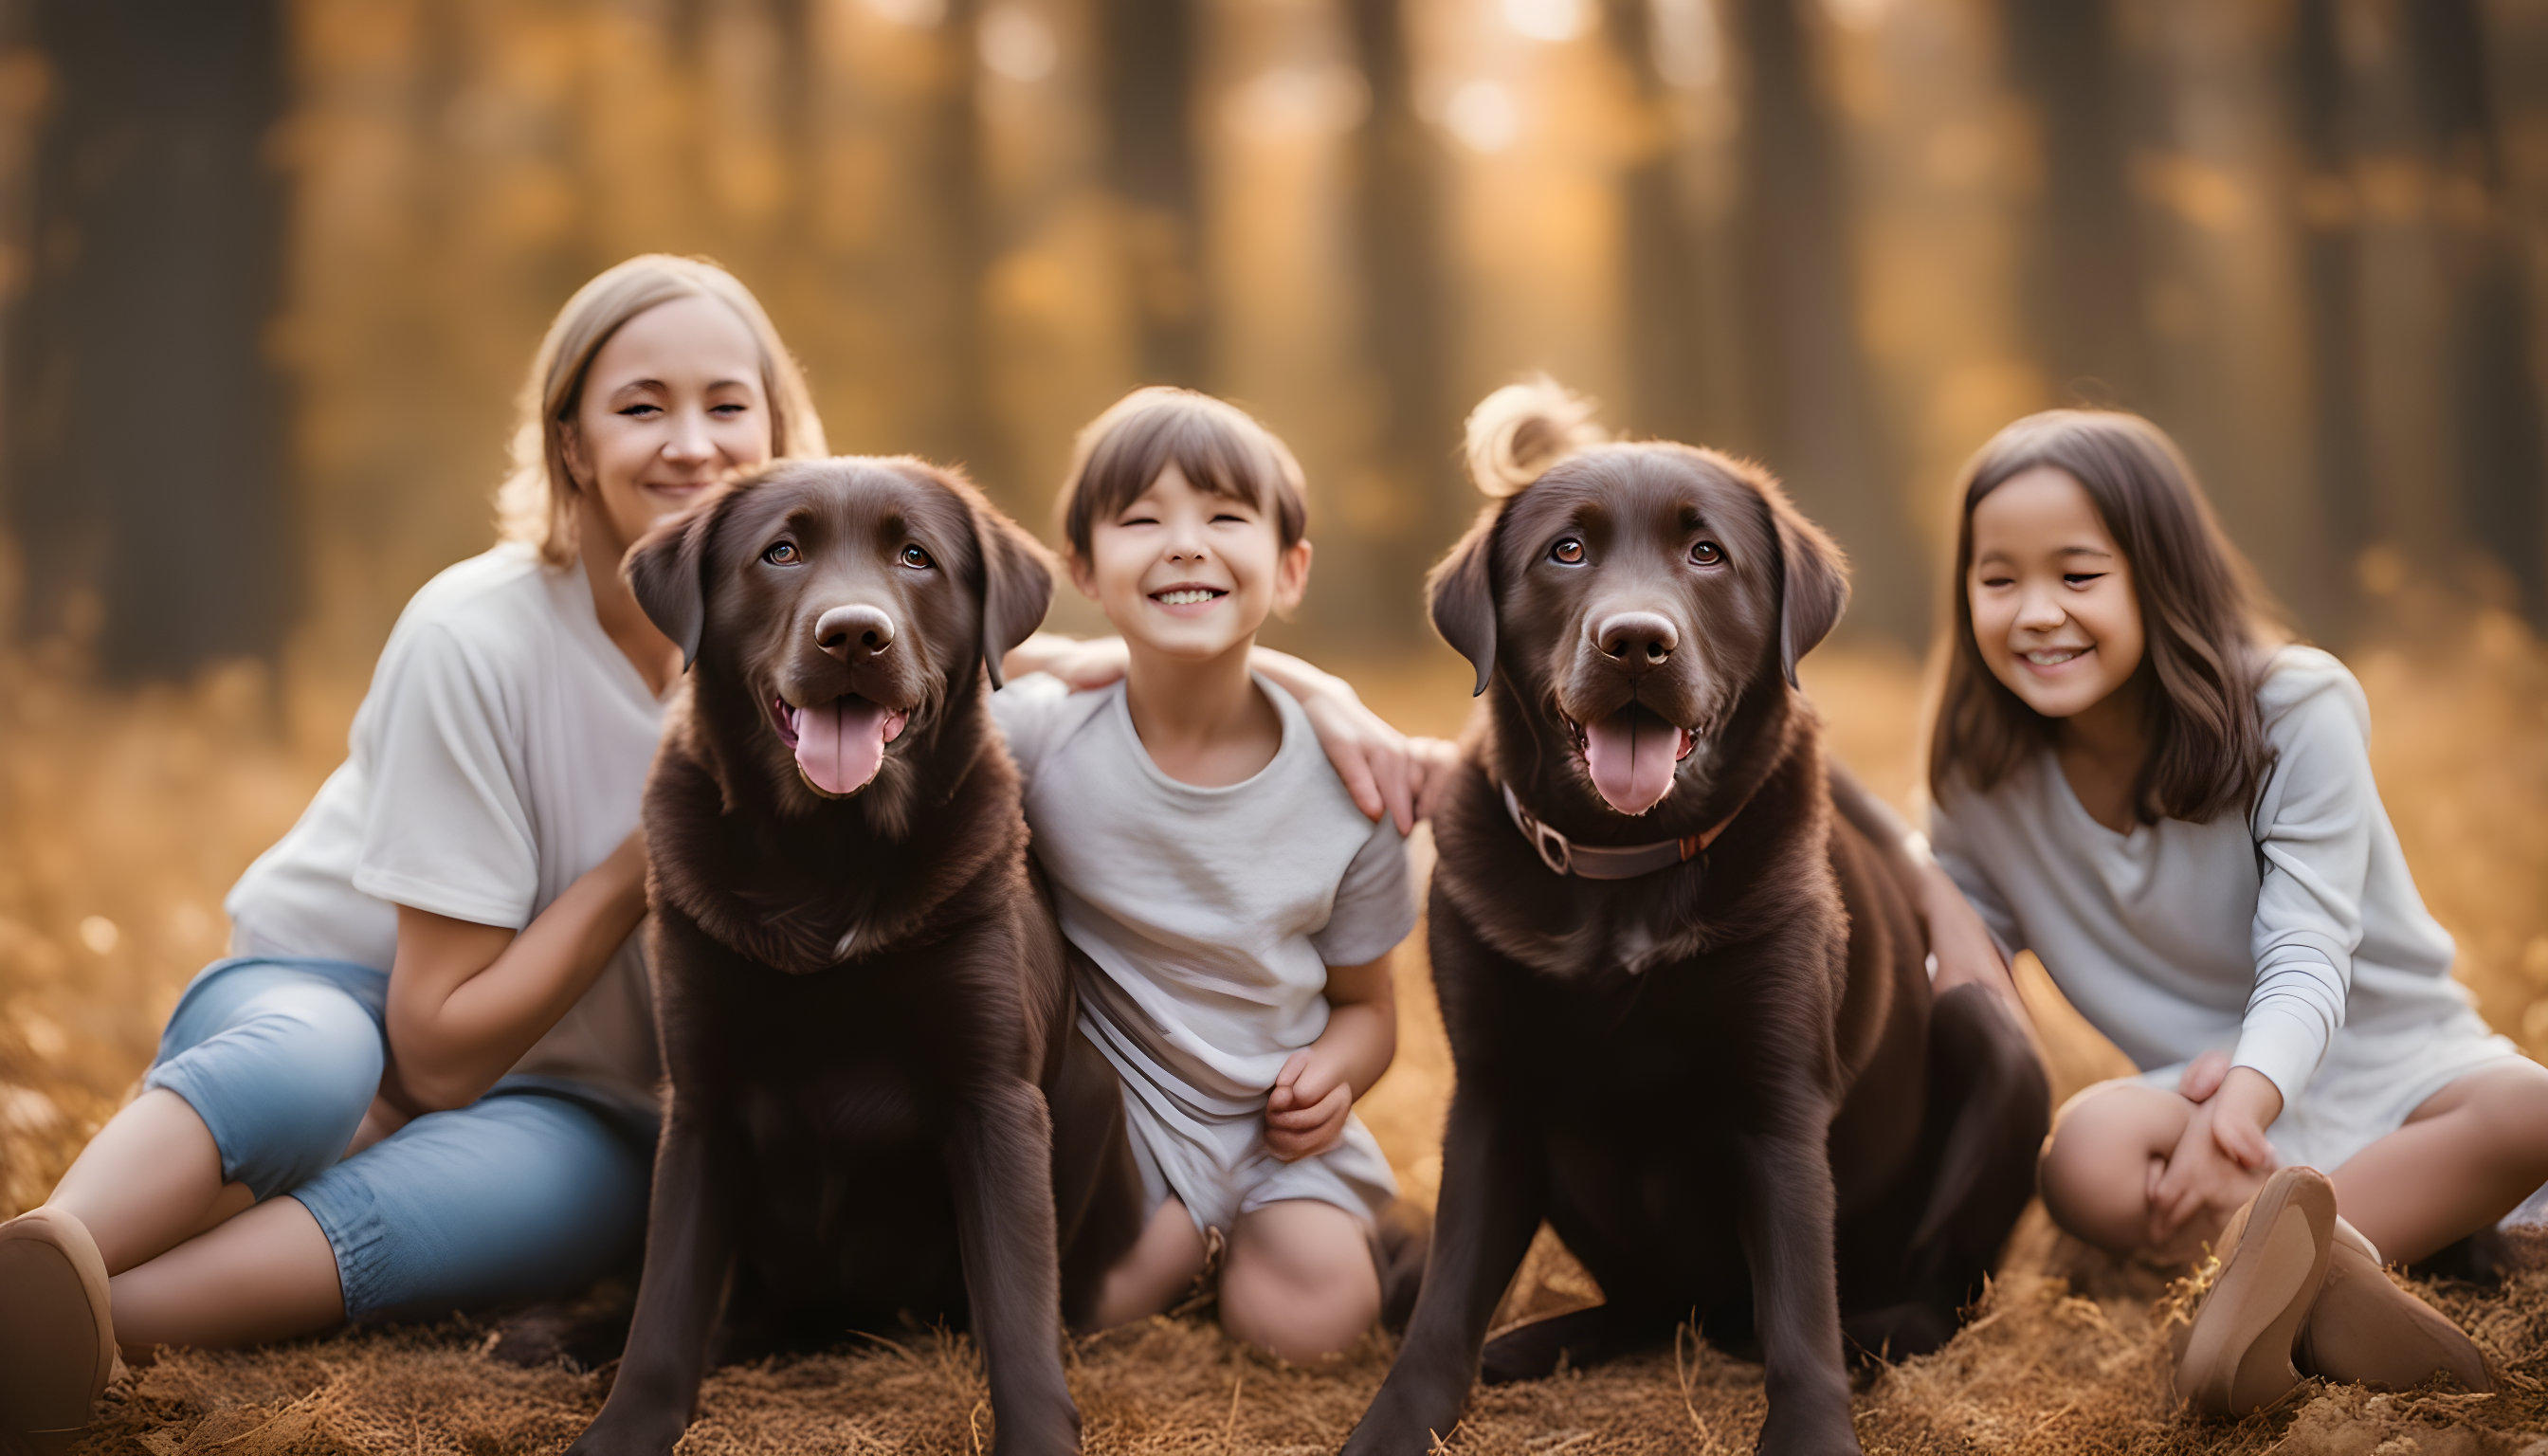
[(2098, 1169), (149, 1180), (2469, 1154), (1300, 1281), (1165, 1260), (266, 1274)]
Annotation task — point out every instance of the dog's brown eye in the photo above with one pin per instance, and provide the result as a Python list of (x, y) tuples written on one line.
[(916, 559), (1567, 552), (1705, 553), (783, 553)]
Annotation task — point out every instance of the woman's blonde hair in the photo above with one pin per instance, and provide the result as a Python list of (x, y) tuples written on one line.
[(536, 503)]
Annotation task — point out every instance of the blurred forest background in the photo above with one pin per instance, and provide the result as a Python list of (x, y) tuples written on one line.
[(271, 271)]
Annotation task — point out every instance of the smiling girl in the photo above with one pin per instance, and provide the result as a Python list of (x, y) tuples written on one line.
[(424, 1079), (2135, 777)]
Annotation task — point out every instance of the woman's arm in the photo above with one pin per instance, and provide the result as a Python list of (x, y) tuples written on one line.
[(1081, 664), (467, 1000), (1386, 772), (1305, 1114)]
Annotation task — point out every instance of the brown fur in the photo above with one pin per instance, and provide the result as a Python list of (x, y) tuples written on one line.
[(1725, 1083), (879, 1102)]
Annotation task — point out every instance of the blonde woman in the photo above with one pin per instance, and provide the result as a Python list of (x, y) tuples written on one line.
[(424, 1079)]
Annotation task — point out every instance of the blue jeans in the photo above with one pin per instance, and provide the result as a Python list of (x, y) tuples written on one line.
[(538, 1187)]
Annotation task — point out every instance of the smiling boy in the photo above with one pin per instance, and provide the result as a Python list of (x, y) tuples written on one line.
[(1235, 910)]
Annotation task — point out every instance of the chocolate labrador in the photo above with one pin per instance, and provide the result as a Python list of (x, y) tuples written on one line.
[(1687, 1001), (879, 1103)]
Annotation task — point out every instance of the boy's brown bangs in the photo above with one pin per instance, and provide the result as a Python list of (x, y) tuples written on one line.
[(1219, 449)]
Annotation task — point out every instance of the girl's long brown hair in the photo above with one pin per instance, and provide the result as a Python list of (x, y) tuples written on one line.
[(2206, 624)]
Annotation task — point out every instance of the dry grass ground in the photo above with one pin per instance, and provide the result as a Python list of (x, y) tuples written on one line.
[(124, 816)]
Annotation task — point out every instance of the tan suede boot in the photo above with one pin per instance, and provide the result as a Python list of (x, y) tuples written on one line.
[(57, 1334), (2236, 1354), (2365, 1329)]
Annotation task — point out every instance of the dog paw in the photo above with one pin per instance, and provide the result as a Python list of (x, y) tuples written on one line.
[(620, 1434), (1394, 1427), (1580, 1337), (1819, 1432), (1528, 1353)]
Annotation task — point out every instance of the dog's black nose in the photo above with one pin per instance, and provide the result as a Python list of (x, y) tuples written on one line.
[(1637, 639), (850, 633)]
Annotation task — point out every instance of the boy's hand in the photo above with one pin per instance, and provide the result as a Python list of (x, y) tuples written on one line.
[(2224, 1151), (1305, 1114)]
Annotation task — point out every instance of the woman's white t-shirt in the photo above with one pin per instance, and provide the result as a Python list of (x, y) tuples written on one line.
[(500, 753)]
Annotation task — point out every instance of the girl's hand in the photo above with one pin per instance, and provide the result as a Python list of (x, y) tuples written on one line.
[(2203, 1075), (1081, 666), (383, 1117), (1380, 766), (2222, 1156), (1305, 1114), (1433, 760), (1963, 946)]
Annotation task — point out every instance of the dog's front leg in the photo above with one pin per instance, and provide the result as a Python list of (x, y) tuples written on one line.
[(1787, 1219), (690, 1240), (999, 1164), (1494, 1183)]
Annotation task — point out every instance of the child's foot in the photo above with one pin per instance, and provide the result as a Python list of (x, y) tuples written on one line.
[(2236, 1354), (2366, 1329), (56, 1337)]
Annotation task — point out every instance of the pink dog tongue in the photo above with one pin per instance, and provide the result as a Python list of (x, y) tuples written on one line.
[(1631, 754), (841, 743)]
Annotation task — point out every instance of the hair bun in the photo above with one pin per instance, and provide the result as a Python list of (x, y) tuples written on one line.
[(1520, 431)]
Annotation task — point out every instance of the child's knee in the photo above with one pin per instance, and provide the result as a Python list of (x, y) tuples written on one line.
[(2520, 1115), (1300, 1281), (2095, 1169)]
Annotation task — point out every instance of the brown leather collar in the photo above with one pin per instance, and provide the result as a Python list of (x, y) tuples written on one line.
[(1605, 862)]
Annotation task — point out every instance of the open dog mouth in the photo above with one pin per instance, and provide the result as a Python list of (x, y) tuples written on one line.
[(1631, 755), (839, 745)]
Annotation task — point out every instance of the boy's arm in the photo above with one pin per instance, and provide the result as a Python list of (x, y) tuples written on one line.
[(1305, 1114)]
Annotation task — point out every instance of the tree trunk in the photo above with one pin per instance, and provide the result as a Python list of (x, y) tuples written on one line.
[(1816, 407), (1147, 52), (144, 466)]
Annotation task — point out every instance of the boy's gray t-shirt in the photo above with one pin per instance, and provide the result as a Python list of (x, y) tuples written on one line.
[(1214, 912), (1212, 915)]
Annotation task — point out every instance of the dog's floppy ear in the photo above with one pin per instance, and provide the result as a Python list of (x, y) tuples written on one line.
[(1813, 586), (1461, 594), (667, 571), (1016, 582)]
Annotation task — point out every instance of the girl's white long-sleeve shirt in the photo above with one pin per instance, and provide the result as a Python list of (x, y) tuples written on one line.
[(2267, 933)]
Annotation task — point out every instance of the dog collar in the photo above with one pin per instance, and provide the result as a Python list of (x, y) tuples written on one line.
[(1603, 861)]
